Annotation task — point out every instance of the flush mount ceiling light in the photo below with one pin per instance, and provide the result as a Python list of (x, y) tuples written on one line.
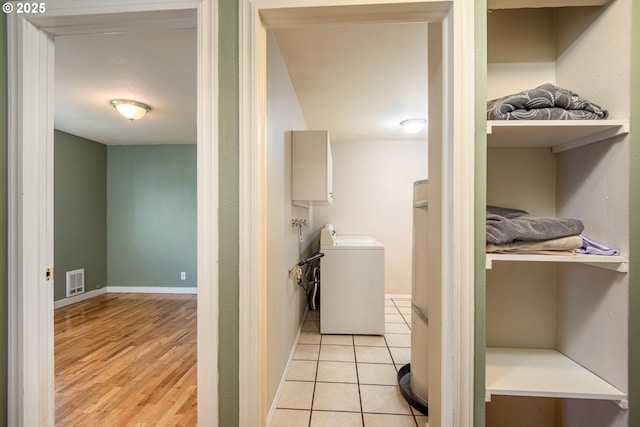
[(129, 109), (413, 125)]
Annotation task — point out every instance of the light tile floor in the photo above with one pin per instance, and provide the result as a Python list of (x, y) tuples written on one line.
[(349, 380)]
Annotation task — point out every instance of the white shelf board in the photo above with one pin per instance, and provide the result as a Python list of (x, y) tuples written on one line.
[(616, 263), (543, 373), (518, 4), (559, 135)]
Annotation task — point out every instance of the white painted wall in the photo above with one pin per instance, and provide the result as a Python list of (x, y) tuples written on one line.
[(285, 299), (373, 195)]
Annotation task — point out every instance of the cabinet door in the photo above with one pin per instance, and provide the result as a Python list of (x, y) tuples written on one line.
[(311, 169)]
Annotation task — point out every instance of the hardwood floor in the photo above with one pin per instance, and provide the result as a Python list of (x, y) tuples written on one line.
[(126, 360)]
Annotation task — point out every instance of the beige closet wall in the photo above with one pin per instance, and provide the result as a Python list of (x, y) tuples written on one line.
[(511, 68), (586, 50)]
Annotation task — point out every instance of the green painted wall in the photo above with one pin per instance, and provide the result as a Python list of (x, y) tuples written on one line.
[(480, 209), (3, 221), (127, 215), (634, 226), (151, 215), (228, 291), (80, 211)]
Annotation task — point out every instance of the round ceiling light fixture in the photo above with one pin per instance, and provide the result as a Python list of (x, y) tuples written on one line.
[(413, 126), (129, 109)]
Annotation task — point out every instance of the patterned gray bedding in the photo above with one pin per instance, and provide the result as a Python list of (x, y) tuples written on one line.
[(545, 102)]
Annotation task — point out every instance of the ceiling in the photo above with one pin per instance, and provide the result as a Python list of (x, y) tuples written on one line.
[(157, 68), (357, 81)]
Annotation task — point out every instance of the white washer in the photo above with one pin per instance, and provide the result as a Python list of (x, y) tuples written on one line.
[(351, 284)]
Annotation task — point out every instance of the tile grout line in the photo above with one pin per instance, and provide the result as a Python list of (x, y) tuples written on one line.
[(355, 362), (331, 342), (315, 379)]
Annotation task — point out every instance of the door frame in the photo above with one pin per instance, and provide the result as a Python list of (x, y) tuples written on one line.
[(30, 192), (457, 406)]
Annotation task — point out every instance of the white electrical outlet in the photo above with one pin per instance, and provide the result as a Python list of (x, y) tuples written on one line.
[(183, 275)]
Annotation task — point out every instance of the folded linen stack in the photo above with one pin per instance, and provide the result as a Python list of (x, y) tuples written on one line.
[(545, 102), (515, 231)]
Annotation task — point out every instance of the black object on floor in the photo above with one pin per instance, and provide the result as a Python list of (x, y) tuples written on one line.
[(404, 381)]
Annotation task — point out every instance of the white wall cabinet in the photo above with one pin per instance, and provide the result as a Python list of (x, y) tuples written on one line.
[(311, 168), (557, 326)]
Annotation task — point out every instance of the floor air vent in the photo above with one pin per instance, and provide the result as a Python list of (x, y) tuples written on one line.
[(75, 282)]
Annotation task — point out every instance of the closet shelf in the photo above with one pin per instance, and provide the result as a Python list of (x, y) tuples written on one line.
[(559, 135), (544, 373), (518, 4), (616, 263)]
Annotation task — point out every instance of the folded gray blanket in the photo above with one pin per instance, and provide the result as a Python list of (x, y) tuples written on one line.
[(505, 212), (560, 246), (515, 226), (545, 102)]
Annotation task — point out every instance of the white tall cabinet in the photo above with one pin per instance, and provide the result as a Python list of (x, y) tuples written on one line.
[(557, 327)]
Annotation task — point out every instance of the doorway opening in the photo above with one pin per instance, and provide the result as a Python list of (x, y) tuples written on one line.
[(456, 152), (31, 54), (125, 212), (374, 75)]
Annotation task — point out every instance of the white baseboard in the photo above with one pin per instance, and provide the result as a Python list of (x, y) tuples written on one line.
[(151, 290), (276, 398), (78, 298), (123, 289)]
